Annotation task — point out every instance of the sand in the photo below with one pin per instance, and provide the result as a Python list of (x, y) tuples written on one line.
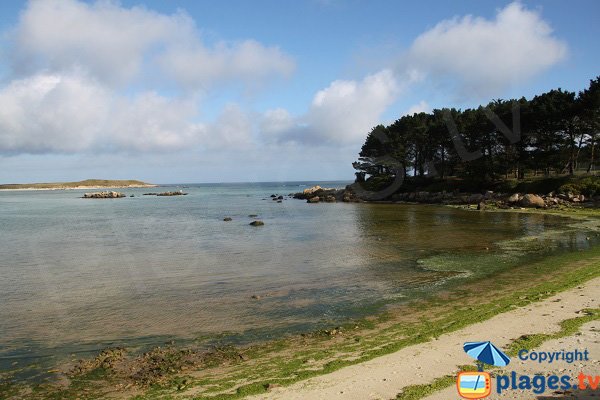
[(384, 377)]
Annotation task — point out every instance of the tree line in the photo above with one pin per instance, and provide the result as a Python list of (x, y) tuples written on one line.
[(556, 132)]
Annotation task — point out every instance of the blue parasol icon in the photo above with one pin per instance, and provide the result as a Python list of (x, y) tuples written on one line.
[(486, 353)]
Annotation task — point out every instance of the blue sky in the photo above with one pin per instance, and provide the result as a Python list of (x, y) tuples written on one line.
[(205, 91)]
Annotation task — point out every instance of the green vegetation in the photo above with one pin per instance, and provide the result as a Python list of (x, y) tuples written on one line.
[(100, 183), (553, 134), (415, 392)]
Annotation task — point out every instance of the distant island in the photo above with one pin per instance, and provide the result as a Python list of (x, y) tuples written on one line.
[(86, 184)]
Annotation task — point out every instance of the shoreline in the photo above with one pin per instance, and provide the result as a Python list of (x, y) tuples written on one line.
[(389, 375), (80, 188)]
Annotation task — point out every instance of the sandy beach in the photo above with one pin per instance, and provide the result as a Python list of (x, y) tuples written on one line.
[(386, 376)]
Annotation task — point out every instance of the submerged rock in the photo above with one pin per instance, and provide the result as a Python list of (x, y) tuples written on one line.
[(177, 193), (257, 223), (227, 219)]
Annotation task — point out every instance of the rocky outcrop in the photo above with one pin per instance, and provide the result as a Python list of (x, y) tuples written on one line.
[(486, 200), (175, 193), (103, 195), (312, 190)]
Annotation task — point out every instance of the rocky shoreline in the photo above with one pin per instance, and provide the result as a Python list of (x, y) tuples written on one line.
[(354, 194)]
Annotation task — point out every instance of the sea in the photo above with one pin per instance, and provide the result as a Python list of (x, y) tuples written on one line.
[(79, 275)]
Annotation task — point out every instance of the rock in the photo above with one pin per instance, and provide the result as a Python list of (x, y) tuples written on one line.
[(315, 199), (257, 223), (514, 198), (253, 215), (132, 195), (532, 200), (330, 199), (227, 219), (280, 201), (273, 196), (581, 198), (271, 386), (103, 195), (488, 195), (176, 193), (311, 190), (481, 206), (279, 197), (475, 198), (255, 297)]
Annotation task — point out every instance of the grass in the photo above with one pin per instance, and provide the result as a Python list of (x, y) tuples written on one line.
[(66, 185), (416, 392), (568, 327)]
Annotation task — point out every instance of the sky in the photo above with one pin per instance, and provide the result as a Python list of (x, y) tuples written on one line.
[(186, 91)]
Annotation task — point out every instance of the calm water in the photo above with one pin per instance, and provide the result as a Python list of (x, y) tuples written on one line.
[(78, 274)]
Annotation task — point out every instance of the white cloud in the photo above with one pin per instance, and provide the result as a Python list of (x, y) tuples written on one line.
[(74, 60), (277, 121), (52, 113), (197, 66), (114, 44), (420, 107), (233, 129), (342, 113), (488, 55)]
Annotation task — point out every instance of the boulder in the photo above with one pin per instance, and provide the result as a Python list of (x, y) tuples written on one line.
[(279, 197), (488, 195), (330, 199), (311, 190), (227, 219), (481, 206), (475, 198), (257, 223), (532, 201), (315, 199), (514, 198)]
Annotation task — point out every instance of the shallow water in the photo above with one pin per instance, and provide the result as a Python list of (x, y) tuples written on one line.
[(80, 274)]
